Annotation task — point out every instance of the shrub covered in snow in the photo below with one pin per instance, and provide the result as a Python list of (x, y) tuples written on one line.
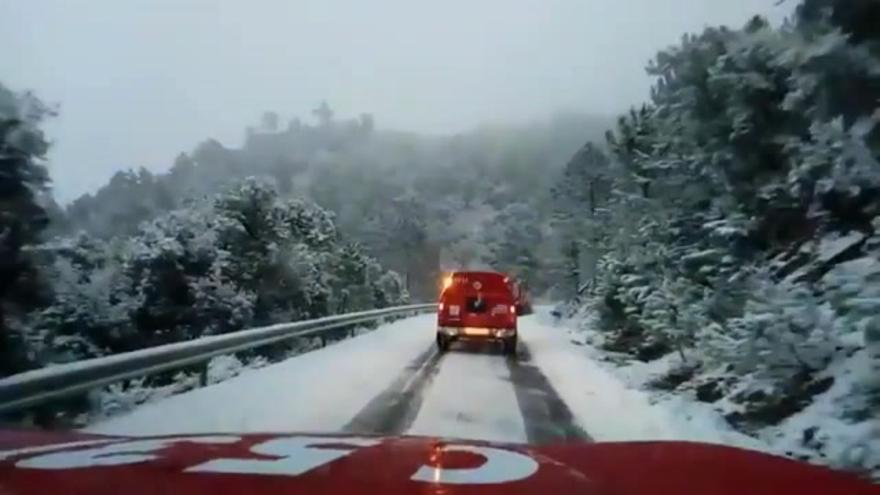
[(244, 258), (784, 331)]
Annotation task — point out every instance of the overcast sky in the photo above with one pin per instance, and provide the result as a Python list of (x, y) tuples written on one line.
[(139, 81)]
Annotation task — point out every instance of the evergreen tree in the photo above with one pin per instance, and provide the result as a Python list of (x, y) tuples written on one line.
[(22, 218)]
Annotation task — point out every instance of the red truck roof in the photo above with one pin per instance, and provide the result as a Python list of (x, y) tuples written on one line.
[(75, 464), (480, 281)]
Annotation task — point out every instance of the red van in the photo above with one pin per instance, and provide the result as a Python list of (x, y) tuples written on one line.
[(477, 306)]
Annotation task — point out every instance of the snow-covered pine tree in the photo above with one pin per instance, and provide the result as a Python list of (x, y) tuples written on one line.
[(23, 149), (579, 201), (512, 239)]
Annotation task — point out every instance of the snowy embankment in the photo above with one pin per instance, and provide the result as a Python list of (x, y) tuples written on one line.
[(317, 391), (837, 428), (824, 432), (608, 403)]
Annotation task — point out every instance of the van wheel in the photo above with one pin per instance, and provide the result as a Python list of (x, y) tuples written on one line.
[(442, 343), (509, 346)]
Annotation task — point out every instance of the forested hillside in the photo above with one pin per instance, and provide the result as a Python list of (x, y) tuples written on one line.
[(733, 220), (414, 202), (302, 221)]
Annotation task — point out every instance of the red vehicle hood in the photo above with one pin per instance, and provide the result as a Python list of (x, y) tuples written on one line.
[(309, 464)]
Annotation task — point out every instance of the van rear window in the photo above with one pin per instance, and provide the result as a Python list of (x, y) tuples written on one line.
[(476, 305), (481, 281)]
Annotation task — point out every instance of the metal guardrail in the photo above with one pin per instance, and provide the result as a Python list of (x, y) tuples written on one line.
[(43, 385)]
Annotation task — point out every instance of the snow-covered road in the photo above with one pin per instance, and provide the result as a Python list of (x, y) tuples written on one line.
[(393, 381)]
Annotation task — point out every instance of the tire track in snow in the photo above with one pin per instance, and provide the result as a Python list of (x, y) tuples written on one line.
[(472, 397), (546, 416), (394, 410)]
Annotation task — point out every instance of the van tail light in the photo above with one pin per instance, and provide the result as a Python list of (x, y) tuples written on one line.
[(440, 307), (513, 310)]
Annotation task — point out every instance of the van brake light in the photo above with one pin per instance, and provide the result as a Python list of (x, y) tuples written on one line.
[(440, 307)]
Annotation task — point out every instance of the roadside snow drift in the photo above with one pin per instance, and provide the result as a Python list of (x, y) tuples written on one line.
[(318, 391), (606, 407)]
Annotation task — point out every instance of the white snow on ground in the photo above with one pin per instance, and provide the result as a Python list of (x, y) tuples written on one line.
[(473, 398), (471, 395), (832, 246), (120, 398), (317, 391), (608, 408)]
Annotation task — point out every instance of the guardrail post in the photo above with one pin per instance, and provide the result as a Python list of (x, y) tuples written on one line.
[(203, 374)]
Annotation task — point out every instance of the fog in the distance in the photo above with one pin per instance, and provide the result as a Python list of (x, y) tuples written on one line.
[(140, 80)]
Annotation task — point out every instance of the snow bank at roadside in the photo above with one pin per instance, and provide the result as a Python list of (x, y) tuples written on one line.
[(317, 391), (608, 406), (837, 429)]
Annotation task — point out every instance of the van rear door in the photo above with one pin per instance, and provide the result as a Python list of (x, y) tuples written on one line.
[(486, 300)]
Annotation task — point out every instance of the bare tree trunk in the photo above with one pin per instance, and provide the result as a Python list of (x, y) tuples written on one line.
[(574, 255), (872, 346), (5, 347), (680, 348), (592, 198)]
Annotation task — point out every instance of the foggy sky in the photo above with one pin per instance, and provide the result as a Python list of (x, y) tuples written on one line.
[(139, 81)]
